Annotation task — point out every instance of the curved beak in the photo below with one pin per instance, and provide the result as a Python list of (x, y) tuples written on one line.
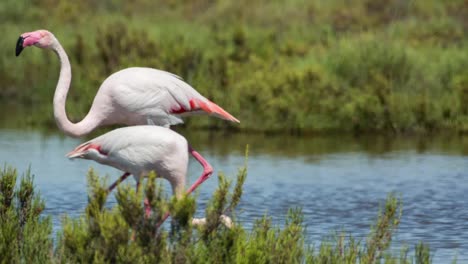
[(19, 46)]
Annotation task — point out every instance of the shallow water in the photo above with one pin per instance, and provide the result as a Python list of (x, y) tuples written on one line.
[(339, 181)]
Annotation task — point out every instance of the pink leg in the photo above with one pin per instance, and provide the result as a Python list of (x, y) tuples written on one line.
[(207, 171), (147, 208), (118, 181), (146, 202)]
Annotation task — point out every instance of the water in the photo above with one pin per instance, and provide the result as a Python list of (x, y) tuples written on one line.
[(338, 181)]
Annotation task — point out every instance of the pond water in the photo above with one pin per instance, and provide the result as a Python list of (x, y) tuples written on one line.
[(339, 181)]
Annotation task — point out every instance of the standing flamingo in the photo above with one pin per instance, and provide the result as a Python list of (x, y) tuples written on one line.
[(138, 150), (133, 96)]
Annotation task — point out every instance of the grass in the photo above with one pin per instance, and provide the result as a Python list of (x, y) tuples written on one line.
[(389, 66), (122, 234)]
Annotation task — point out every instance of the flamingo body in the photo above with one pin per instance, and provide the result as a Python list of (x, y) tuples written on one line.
[(138, 96), (139, 150)]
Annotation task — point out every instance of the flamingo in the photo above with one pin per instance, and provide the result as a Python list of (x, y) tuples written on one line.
[(132, 96), (138, 150)]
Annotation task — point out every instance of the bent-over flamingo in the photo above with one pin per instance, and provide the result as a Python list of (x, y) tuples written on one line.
[(138, 150)]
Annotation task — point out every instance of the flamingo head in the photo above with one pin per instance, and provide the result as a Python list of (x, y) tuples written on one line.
[(39, 38), (87, 151)]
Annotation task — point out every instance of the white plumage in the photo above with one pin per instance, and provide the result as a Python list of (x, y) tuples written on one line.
[(139, 150)]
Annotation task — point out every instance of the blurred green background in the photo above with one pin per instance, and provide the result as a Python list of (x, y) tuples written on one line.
[(392, 66)]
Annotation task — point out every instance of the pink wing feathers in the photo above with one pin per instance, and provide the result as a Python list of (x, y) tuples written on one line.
[(212, 108)]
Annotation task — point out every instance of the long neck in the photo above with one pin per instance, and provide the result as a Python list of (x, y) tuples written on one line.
[(178, 187), (83, 127)]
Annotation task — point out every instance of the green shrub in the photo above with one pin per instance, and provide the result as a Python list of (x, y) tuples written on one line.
[(123, 234), (24, 233)]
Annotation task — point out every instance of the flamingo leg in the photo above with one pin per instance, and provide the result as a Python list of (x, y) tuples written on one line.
[(147, 208), (146, 202), (118, 181), (207, 171)]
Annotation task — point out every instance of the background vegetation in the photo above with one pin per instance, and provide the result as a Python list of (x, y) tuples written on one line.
[(123, 235), (297, 66)]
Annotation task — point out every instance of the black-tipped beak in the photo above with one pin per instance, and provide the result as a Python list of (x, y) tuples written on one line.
[(19, 46)]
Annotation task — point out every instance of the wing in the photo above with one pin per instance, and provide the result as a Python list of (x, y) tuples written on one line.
[(152, 94)]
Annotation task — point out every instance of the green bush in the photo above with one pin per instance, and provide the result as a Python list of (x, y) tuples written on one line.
[(25, 235), (123, 234)]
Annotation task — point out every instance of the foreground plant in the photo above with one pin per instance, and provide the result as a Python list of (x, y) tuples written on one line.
[(24, 233), (122, 234)]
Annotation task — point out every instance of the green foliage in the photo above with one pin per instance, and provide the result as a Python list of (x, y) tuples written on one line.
[(295, 66), (422, 253), (123, 234), (24, 234), (381, 233), (269, 244)]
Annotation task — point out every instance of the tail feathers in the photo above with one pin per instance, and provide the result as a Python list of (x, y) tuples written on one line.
[(216, 110)]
